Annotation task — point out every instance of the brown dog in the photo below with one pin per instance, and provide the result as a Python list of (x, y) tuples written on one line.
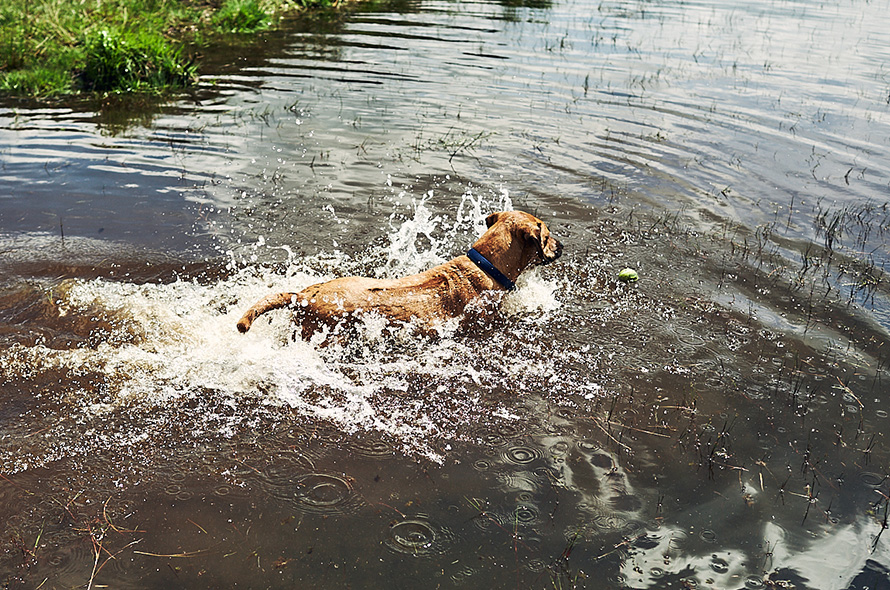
[(514, 240)]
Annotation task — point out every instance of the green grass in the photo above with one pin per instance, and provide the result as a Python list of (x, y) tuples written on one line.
[(241, 16), (119, 62), (53, 47)]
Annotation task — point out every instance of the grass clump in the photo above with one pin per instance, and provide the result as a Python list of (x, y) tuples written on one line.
[(37, 81), (241, 16), (121, 62)]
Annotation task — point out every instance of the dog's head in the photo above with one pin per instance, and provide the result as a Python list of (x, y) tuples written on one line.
[(532, 231)]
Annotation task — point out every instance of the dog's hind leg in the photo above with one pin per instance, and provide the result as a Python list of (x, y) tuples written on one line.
[(267, 303)]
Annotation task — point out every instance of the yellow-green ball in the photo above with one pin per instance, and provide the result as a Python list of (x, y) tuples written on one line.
[(628, 275)]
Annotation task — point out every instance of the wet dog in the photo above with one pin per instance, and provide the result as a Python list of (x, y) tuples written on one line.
[(514, 241)]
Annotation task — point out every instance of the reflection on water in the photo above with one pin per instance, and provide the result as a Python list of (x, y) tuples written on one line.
[(719, 424)]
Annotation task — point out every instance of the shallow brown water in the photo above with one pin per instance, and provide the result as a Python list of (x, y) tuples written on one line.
[(719, 424)]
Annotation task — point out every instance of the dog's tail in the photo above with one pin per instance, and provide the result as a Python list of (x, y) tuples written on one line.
[(267, 303)]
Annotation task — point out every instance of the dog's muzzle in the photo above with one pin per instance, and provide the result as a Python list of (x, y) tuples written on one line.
[(556, 254)]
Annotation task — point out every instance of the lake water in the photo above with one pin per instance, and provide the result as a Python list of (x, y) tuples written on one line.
[(718, 424)]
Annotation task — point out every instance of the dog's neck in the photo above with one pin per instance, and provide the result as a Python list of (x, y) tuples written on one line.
[(490, 269), (505, 257)]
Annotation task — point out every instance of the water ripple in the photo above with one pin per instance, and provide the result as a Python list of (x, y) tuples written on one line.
[(418, 536), (323, 493)]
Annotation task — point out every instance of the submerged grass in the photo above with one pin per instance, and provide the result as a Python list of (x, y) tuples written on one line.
[(52, 47)]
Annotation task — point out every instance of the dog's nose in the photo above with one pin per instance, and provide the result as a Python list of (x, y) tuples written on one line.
[(557, 252)]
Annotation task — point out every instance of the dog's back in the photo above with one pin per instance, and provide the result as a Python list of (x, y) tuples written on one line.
[(513, 241)]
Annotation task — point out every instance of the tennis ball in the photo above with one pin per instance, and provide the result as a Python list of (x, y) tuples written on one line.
[(628, 275)]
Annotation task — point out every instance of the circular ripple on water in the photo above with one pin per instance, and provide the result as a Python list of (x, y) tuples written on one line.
[(521, 455), (461, 575), (520, 480), (633, 528), (322, 493), (526, 514), (492, 439), (16, 522), (278, 478), (678, 539), (510, 430), (626, 332), (609, 522), (588, 445), (224, 490), (482, 465), (708, 536), (238, 475), (489, 521), (179, 476), (418, 536), (173, 489), (719, 565), (68, 563), (560, 449), (654, 526), (872, 480), (373, 447), (174, 478)]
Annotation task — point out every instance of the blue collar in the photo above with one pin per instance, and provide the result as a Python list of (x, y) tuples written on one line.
[(489, 269)]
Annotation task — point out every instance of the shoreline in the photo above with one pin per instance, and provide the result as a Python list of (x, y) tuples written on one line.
[(53, 48)]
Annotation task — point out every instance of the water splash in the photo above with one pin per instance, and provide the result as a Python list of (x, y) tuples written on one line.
[(413, 245), (170, 343), (533, 294)]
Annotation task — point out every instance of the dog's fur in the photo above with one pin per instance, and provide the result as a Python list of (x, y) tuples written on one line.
[(514, 241)]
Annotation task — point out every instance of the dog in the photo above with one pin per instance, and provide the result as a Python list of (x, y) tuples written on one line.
[(514, 241)]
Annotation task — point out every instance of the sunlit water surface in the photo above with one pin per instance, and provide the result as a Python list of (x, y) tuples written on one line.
[(719, 424)]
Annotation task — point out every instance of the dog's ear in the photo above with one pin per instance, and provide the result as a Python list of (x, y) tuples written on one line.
[(492, 219), (537, 235), (549, 249)]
